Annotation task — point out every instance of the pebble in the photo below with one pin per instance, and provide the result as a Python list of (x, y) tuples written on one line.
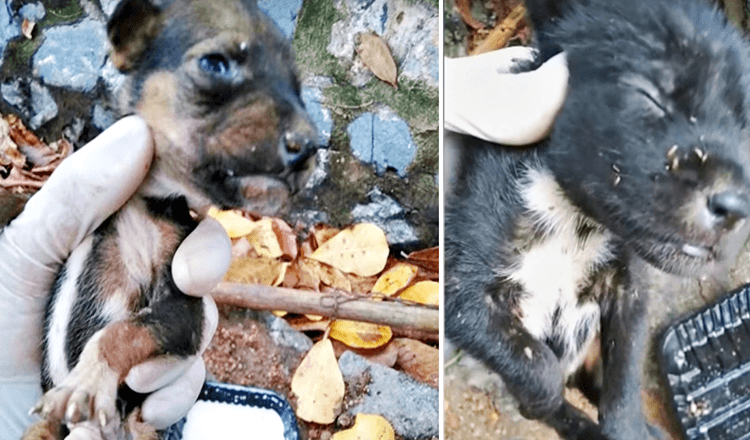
[(72, 56)]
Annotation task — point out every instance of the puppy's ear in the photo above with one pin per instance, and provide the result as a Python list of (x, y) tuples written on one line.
[(132, 27)]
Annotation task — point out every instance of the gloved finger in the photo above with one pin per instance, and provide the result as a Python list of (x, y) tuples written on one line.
[(202, 259), (169, 404), (88, 430), (164, 370), (86, 188), (476, 99)]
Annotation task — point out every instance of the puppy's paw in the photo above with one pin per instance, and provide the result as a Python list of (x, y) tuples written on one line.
[(89, 392)]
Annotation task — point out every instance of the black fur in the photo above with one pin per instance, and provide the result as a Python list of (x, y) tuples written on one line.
[(645, 76)]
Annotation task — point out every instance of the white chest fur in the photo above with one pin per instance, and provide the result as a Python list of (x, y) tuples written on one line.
[(556, 267)]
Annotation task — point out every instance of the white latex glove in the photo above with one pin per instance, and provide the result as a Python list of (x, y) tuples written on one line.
[(86, 189), (483, 100)]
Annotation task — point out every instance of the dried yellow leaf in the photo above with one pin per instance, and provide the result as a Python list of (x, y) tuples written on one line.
[(235, 224), (361, 249), (264, 271), (264, 239), (318, 384), (367, 427), (376, 55), (395, 279), (360, 334), (423, 292)]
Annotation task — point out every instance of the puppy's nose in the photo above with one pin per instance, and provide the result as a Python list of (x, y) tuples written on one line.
[(299, 142), (728, 207)]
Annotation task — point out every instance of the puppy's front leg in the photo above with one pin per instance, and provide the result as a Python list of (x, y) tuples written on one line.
[(624, 334), (170, 326), (529, 368)]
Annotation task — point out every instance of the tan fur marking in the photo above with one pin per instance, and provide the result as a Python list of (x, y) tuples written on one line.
[(125, 345), (249, 126)]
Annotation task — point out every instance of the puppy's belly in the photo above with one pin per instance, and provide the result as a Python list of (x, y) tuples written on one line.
[(556, 266)]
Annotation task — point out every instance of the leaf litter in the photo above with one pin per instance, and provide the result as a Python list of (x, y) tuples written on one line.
[(357, 260)]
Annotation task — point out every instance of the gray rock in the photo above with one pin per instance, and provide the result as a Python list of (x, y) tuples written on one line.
[(382, 139), (385, 212), (412, 408), (312, 97), (410, 28), (320, 173), (109, 6), (283, 334), (113, 78), (283, 13), (9, 28), (33, 101), (103, 118), (33, 12), (72, 56), (310, 217)]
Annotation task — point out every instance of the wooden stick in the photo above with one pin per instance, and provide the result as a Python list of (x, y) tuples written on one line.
[(331, 305), (499, 36)]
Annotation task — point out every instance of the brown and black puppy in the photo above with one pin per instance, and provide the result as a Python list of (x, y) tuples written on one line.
[(216, 82)]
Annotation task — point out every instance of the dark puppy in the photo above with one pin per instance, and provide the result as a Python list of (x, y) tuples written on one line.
[(648, 159), (216, 83)]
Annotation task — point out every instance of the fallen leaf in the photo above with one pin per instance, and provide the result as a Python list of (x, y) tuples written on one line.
[(301, 276), (367, 427), (27, 27), (9, 154), (376, 55), (241, 247), (286, 238), (264, 239), (361, 285), (318, 385), (266, 271), (322, 233), (426, 258), (361, 249), (328, 275), (464, 8), (423, 292), (235, 224), (360, 334), (419, 360), (395, 279), (385, 355)]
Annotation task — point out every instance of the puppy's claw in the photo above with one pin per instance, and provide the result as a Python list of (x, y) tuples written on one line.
[(37, 408), (102, 418), (77, 412)]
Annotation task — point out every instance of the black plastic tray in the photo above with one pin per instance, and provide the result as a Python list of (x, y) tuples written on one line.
[(706, 359), (246, 396)]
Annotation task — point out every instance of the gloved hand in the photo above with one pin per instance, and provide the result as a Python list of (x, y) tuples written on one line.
[(87, 188), (481, 98)]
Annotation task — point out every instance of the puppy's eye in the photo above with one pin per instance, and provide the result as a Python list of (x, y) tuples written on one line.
[(217, 65), (657, 107)]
